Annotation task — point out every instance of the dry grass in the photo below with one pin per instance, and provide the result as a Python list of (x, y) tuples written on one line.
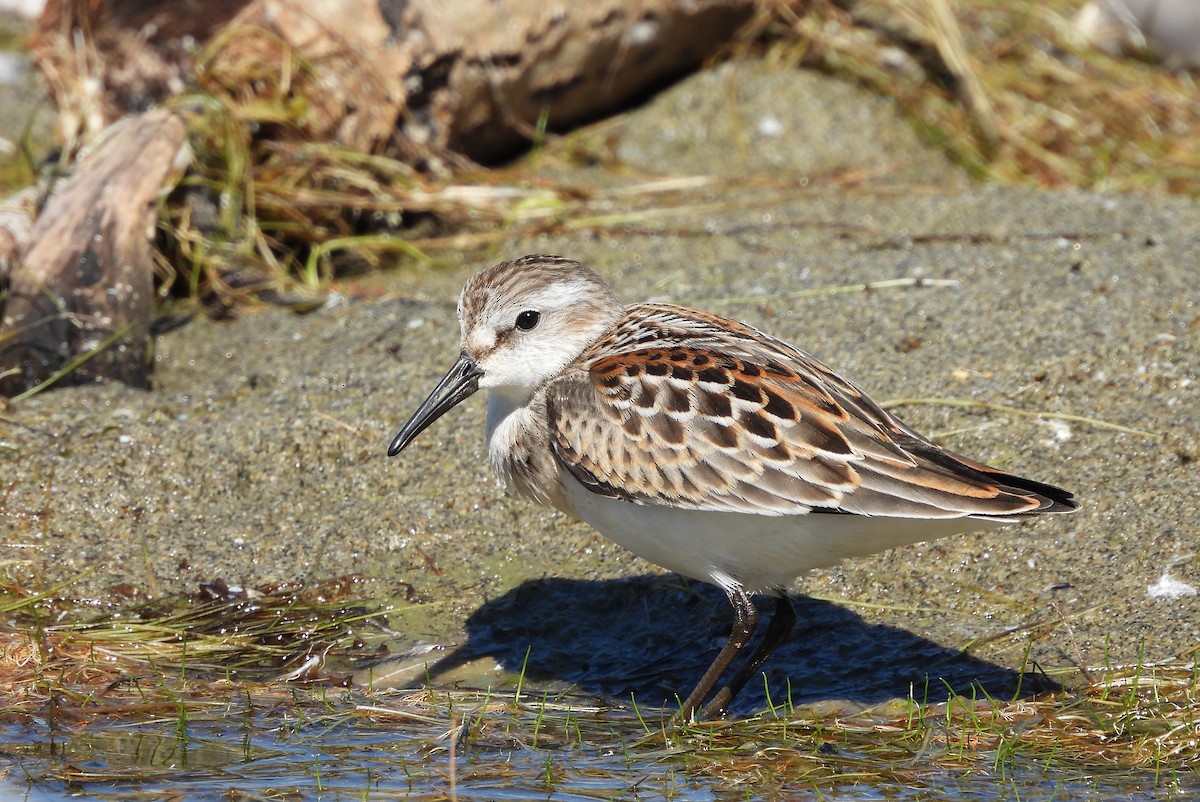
[(286, 630), (1006, 89)]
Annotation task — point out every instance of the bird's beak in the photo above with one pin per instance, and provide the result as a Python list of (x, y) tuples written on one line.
[(459, 382)]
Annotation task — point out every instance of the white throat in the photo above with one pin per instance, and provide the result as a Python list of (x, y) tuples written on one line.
[(503, 413)]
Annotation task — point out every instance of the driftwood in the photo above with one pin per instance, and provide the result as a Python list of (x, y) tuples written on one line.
[(427, 82), (82, 289), (469, 77)]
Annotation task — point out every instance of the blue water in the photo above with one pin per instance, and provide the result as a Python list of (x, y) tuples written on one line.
[(356, 759)]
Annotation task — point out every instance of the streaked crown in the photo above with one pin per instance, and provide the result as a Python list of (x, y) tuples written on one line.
[(525, 320)]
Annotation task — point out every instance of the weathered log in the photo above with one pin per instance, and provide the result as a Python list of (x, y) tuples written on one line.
[(472, 77), (424, 80), (83, 287), (570, 61)]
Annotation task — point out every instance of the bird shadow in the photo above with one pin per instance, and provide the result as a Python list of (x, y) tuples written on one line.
[(653, 636)]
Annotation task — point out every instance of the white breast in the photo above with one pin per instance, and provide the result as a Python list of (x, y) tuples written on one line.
[(758, 552)]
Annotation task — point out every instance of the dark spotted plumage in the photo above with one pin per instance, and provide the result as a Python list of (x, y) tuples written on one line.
[(736, 420)]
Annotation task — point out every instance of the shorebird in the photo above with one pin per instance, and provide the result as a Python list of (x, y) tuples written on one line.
[(702, 444)]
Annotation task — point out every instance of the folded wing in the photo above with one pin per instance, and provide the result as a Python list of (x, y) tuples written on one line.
[(681, 408)]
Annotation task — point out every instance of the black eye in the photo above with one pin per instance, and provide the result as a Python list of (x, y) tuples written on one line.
[(528, 319)]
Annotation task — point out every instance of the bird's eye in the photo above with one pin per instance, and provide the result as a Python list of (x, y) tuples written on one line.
[(528, 319)]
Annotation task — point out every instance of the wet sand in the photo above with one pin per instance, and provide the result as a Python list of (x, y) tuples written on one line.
[(260, 454)]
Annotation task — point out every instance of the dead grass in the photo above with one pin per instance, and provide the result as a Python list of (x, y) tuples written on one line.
[(285, 630), (1007, 90)]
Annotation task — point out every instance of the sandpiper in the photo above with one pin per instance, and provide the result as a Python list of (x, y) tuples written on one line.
[(702, 444)]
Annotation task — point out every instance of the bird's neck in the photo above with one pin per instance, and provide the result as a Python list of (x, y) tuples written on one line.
[(519, 447)]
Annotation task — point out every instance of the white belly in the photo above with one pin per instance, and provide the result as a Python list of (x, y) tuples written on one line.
[(758, 552)]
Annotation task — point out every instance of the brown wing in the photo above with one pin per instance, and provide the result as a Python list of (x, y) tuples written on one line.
[(684, 409)]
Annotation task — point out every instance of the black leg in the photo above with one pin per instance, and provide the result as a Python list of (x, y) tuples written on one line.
[(745, 620), (780, 626)]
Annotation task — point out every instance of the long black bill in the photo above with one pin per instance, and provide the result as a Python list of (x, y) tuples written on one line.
[(458, 383)]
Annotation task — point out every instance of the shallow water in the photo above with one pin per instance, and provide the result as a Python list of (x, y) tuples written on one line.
[(591, 753)]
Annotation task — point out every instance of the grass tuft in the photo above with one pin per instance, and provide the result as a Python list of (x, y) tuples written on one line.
[(1006, 88), (219, 634)]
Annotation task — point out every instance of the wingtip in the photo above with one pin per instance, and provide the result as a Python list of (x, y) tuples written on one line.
[(1042, 498), (1064, 502), (1051, 498)]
